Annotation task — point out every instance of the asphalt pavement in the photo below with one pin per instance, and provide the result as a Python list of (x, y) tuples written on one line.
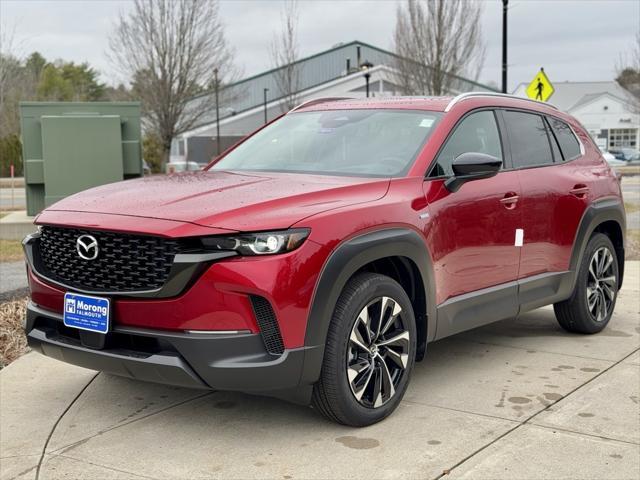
[(13, 278), (12, 200), (631, 195), (515, 399)]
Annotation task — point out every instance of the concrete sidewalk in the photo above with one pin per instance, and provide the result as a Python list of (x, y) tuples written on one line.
[(16, 225), (516, 399)]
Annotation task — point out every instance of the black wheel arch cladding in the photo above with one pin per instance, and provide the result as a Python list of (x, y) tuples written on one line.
[(347, 259), (601, 216)]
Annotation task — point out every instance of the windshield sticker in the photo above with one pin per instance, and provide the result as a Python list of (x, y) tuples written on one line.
[(426, 122)]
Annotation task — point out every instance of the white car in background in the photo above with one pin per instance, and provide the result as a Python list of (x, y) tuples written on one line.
[(611, 160), (178, 158)]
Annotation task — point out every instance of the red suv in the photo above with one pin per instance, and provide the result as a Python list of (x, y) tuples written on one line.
[(315, 260)]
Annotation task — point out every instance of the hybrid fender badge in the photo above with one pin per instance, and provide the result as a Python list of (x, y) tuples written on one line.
[(87, 247), (519, 237)]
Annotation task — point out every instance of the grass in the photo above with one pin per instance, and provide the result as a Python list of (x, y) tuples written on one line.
[(10, 250), (631, 207), (13, 342)]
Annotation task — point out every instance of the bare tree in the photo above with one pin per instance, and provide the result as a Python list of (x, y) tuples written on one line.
[(436, 41), (284, 57), (628, 72), (171, 48), (12, 81)]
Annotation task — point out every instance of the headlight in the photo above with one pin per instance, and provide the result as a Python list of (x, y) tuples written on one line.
[(263, 243)]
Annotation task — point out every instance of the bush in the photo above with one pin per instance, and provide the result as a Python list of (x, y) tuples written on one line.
[(152, 152), (10, 153), (13, 341)]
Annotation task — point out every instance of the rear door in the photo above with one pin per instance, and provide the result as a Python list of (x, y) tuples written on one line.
[(555, 192)]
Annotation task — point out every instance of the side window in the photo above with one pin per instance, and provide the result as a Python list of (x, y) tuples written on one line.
[(530, 144), (566, 139), (476, 133)]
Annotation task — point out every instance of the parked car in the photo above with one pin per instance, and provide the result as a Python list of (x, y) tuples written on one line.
[(628, 155), (317, 259), (609, 157)]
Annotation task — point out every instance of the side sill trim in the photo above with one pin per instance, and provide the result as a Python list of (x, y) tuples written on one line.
[(475, 309)]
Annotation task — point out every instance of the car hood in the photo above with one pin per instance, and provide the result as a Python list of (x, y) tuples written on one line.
[(248, 201)]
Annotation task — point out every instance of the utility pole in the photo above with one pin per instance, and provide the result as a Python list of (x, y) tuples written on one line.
[(265, 104), (215, 73), (505, 7)]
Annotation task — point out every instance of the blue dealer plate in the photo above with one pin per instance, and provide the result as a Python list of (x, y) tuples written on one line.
[(86, 313)]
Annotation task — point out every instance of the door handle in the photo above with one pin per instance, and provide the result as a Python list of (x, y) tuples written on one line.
[(510, 200), (580, 190)]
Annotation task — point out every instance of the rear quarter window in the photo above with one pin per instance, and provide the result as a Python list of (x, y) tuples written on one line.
[(566, 139)]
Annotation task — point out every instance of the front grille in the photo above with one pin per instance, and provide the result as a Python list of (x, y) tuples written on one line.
[(125, 263), (268, 325)]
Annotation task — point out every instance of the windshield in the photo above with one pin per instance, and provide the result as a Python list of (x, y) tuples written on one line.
[(340, 142)]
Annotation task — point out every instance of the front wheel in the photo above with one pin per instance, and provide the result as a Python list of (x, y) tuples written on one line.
[(594, 297), (369, 354)]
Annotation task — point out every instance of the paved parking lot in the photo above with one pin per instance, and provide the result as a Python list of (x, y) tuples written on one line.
[(13, 277), (13, 198), (516, 399)]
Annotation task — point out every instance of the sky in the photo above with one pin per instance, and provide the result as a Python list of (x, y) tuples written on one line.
[(574, 40)]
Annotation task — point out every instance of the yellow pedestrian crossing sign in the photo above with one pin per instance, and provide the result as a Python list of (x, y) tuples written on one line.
[(540, 87)]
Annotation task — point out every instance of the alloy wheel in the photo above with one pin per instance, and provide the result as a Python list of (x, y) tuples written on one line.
[(378, 352), (601, 284)]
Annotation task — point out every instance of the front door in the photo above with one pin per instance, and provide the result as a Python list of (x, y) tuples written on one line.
[(472, 232)]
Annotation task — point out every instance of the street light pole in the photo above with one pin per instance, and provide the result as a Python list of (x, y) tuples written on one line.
[(215, 73), (265, 104), (505, 7), (365, 68)]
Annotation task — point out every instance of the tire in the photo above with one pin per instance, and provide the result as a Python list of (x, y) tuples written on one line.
[(593, 300), (383, 361)]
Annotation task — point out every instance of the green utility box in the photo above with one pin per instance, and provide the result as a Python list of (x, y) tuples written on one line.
[(69, 147)]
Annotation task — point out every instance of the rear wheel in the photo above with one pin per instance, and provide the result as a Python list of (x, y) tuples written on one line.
[(594, 297), (369, 354)]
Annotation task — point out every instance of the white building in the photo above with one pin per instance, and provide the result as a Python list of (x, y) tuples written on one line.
[(607, 111), (331, 73)]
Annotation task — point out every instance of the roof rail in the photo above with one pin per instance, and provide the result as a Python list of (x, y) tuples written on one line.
[(464, 96), (315, 101)]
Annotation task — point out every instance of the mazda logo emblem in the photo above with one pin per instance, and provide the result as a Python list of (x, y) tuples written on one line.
[(87, 247)]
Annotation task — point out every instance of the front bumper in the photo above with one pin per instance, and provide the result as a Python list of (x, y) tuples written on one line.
[(215, 295), (225, 361)]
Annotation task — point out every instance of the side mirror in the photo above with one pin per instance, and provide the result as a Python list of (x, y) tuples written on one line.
[(472, 166)]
